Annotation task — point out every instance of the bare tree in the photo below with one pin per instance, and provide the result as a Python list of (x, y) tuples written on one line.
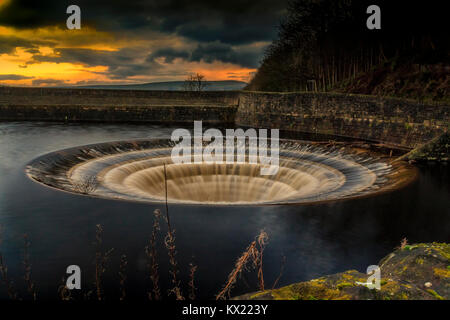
[(195, 82)]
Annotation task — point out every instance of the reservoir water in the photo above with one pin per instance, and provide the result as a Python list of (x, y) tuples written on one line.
[(316, 239)]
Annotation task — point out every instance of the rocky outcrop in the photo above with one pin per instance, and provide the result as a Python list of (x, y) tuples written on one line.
[(437, 149), (420, 271)]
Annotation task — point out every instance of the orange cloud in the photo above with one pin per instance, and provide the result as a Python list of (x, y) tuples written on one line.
[(49, 39), (4, 2)]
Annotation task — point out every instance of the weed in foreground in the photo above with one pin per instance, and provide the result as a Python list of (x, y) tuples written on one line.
[(123, 276), (27, 265), (192, 270), (150, 251), (251, 256), (101, 259), (4, 274)]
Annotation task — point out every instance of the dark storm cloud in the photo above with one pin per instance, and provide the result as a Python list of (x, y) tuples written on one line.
[(48, 82), (232, 21), (217, 51), (13, 77), (135, 61), (121, 64), (33, 13), (218, 30), (212, 52), (169, 55), (87, 57), (9, 44), (33, 50)]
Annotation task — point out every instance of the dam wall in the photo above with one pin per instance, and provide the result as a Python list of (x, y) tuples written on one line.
[(390, 121), (396, 122), (61, 104)]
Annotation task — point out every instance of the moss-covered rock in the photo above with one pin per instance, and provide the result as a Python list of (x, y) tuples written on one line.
[(420, 264), (437, 150), (420, 271)]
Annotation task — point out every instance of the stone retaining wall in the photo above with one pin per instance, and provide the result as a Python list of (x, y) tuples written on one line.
[(390, 121), (50, 104), (384, 120)]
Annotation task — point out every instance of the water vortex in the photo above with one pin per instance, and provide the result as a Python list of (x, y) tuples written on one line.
[(133, 170)]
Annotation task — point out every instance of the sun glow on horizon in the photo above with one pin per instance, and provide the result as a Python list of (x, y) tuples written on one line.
[(32, 57)]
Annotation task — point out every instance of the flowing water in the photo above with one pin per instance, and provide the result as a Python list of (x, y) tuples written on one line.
[(139, 170), (214, 221)]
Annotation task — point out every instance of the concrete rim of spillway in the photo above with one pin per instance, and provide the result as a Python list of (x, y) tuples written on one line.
[(132, 170)]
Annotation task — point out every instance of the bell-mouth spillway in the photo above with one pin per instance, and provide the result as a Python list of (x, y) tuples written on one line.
[(134, 170)]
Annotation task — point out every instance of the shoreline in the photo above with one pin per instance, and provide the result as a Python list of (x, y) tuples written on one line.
[(418, 271)]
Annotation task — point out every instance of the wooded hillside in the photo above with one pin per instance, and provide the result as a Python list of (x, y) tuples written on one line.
[(324, 45)]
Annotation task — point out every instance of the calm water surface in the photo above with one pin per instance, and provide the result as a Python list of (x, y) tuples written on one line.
[(316, 240)]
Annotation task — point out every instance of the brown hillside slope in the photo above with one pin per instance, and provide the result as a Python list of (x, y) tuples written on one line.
[(414, 81)]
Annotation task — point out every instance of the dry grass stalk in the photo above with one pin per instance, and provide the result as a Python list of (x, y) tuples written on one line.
[(250, 254), (192, 270), (64, 293), (27, 265), (283, 264), (176, 291), (4, 273), (166, 194), (101, 259), (169, 242), (262, 240), (150, 251), (123, 276), (403, 243)]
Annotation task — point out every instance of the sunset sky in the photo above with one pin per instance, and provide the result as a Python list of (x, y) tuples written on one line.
[(133, 41)]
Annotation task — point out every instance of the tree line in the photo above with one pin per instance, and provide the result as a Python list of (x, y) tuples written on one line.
[(323, 42)]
